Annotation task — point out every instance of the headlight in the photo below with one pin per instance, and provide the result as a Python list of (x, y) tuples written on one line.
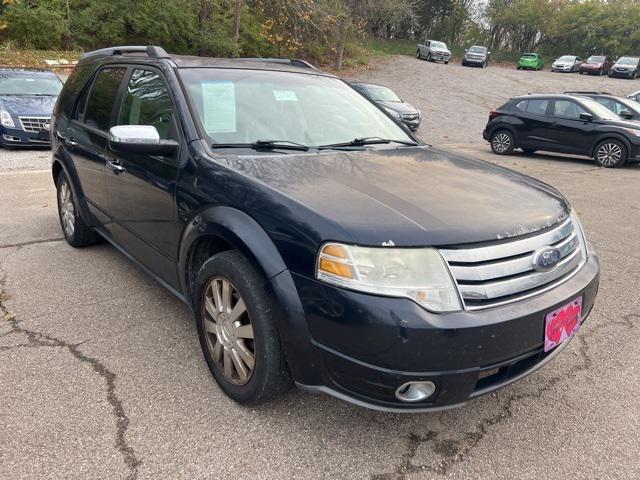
[(577, 227), (6, 120), (393, 113), (419, 274)]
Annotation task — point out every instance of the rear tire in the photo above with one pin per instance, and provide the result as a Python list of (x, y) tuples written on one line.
[(610, 153), (418, 56), (76, 232), (239, 339), (502, 142)]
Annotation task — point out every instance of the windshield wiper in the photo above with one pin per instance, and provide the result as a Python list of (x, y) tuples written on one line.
[(265, 145), (361, 142)]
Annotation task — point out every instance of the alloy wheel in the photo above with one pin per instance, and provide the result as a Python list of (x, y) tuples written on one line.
[(229, 331), (67, 209), (501, 142), (609, 154)]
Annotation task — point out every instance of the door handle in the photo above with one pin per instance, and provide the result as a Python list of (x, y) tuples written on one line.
[(115, 166)]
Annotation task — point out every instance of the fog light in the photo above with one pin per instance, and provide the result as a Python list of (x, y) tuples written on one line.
[(415, 391)]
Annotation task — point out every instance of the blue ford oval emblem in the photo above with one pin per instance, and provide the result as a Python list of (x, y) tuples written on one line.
[(546, 258)]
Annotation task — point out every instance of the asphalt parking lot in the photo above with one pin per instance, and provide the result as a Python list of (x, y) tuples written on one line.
[(101, 374)]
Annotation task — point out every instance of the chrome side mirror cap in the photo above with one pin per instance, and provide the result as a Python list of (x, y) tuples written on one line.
[(140, 139)]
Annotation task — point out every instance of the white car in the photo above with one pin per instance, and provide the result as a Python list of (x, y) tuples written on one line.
[(566, 63), (634, 96)]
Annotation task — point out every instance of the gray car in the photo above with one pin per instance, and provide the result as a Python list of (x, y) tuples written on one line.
[(567, 63), (476, 56), (393, 105), (433, 50)]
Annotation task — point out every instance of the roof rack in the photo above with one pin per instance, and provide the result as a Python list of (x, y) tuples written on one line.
[(151, 51), (294, 62), (585, 92)]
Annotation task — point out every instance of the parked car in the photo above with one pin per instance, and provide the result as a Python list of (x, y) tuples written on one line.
[(314, 238), (476, 56), (626, 67), (566, 63), (530, 61), (625, 108), (634, 96), (562, 123), (596, 65), (27, 98), (433, 51), (394, 105)]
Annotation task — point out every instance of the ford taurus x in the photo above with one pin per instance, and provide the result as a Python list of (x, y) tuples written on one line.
[(316, 241)]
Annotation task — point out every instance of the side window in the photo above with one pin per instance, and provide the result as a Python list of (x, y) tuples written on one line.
[(615, 107), (567, 109), (521, 106), (147, 102), (538, 107), (102, 98)]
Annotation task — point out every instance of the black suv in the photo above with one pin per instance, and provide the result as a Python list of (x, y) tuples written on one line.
[(562, 123), (314, 238)]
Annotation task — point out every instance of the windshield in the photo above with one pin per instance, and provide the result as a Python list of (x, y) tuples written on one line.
[(566, 58), (439, 45), (382, 94), (595, 59), (243, 106), (477, 50), (627, 61), (600, 110), (630, 104), (23, 84)]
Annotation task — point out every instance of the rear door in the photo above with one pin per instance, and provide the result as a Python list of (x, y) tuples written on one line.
[(142, 187), (532, 131), (568, 132), (86, 138)]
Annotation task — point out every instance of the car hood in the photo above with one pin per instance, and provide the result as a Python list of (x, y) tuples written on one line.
[(408, 196), (621, 66), (592, 64), (400, 107), (36, 105)]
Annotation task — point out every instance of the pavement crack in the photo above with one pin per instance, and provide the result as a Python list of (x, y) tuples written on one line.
[(31, 242), (38, 340), (453, 452)]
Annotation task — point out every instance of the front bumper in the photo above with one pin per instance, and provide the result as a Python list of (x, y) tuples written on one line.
[(561, 69), (621, 74), (473, 61), (441, 57), (367, 346), (17, 137)]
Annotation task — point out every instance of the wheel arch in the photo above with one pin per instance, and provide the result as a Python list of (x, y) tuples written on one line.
[(221, 228), (60, 164), (507, 127), (609, 136)]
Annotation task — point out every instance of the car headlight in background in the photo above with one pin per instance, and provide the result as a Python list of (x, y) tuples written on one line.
[(6, 120), (419, 274), (393, 113)]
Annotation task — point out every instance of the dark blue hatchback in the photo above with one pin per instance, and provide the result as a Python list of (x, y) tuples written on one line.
[(27, 98)]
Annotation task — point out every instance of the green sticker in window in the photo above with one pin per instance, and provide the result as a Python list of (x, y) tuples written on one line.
[(285, 96)]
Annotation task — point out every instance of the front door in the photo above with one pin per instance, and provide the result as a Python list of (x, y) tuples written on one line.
[(569, 133), (142, 187)]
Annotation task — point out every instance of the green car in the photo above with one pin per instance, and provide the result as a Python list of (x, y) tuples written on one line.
[(531, 61)]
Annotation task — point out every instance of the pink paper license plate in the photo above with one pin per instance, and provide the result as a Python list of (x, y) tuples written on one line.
[(562, 323)]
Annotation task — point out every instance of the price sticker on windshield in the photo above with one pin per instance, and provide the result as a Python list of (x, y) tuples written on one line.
[(285, 96)]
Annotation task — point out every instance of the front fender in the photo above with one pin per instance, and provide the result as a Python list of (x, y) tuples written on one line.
[(236, 228)]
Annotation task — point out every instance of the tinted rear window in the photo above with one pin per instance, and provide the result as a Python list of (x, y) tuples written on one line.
[(538, 107), (102, 97)]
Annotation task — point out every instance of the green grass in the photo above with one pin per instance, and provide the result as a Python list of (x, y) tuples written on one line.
[(391, 47)]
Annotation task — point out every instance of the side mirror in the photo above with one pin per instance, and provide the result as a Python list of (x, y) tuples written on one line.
[(586, 117), (140, 139), (626, 114), (465, 50)]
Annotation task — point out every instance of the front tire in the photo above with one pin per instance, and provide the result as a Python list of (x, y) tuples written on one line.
[(76, 232), (610, 153), (502, 142), (429, 57), (239, 339)]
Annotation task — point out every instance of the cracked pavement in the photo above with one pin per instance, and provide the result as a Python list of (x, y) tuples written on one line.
[(101, 374)]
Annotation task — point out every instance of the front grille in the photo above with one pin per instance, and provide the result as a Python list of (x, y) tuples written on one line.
[(410, 116), (496, 274), (35, 124)]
